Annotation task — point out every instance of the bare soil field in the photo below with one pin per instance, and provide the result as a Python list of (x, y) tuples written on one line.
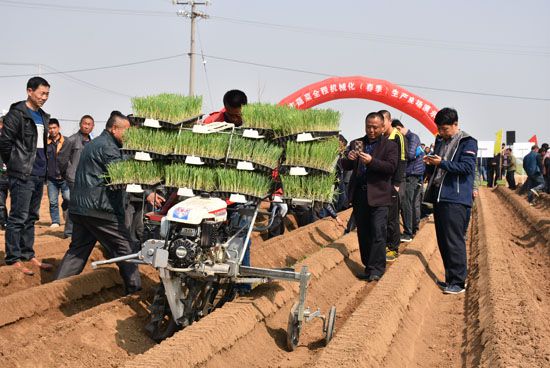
[(404, 320)]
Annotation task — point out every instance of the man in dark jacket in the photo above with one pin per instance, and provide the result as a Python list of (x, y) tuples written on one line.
[(55, 182), (394, 232), (22, 146), (97, 211), (451, 172), (373, 162), (69, 157), (412, 187)]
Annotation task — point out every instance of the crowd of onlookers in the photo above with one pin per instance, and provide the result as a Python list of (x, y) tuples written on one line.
[(536, 166), (387, 176)]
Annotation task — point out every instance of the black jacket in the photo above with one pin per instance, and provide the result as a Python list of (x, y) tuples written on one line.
[(19, 138), (91, 197), (379, 172)]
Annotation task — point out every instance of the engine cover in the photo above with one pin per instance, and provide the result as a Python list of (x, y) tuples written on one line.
[(195, 210)]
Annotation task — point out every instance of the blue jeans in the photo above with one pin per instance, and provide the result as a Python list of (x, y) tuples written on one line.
[(54, 187), (534, 182), (25, 203)]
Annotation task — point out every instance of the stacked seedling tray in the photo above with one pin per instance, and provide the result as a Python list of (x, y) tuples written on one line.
[(230, 163), (310, 140)]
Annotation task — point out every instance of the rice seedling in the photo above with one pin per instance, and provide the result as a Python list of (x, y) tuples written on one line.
[(243, 182), (150, 140), (319, 155), (187, 176), (134, 172), (313, 187), (202, 145), (285, 120), (257, 151), (169, 107)]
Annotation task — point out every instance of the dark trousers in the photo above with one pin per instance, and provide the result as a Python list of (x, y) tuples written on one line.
[(371, 233), (113, 236), (393, 236), (410, 205), (510, 178), (4, 187), (68, 231), (494, 174), (451, 220), (25, 204)]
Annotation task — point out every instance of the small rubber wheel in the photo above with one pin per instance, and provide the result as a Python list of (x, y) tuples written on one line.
[(293, 329), (331, 320)]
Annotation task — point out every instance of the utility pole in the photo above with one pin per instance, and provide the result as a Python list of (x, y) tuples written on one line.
[(193, 14)]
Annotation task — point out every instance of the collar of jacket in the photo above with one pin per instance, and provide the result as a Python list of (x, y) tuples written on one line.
[(60, 142), (22, 107), (111, 136)]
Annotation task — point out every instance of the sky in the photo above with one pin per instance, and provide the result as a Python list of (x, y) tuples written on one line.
[(269, 49)]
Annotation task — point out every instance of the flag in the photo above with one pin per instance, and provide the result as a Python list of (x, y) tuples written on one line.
[(498, 142), (533, 140)]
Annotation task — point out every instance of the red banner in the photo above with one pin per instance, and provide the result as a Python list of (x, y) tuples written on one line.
[(367, 88)]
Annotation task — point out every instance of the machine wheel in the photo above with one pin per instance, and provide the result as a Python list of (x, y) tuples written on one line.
[(331, 319), (293, 329), (162, 324)]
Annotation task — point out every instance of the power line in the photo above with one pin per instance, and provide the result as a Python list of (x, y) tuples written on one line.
[(399, 40), (288, 69), (521, 50), (86, 9), (99, 67)]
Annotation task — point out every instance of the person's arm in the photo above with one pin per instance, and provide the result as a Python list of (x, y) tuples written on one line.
[(399, 171), (12, 125), (64, 156), (412, 145), (466, 163), (388, 164)]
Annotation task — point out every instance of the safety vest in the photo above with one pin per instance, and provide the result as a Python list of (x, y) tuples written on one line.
[(401, 143)]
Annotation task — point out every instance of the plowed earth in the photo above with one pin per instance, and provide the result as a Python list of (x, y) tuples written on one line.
[(404, 320)]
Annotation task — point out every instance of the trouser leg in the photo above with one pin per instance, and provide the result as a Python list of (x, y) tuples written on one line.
[(393, 231), (376, 242), (53, 195), (450, 219), (407, 204), (27, 235), (4, 186), (21, 193), (68, 231), (82, 244), (115, 238), (361, 218)]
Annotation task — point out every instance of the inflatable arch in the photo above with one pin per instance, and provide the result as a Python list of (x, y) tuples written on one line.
[(366, 88)]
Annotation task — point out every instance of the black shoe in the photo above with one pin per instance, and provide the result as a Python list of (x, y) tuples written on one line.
[(441, 284), (374, 278), (405, 238)]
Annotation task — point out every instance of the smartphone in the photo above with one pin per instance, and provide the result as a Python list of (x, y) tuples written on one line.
[(358, 146)]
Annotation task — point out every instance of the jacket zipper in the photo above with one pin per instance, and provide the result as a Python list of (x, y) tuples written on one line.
[(445, 174)]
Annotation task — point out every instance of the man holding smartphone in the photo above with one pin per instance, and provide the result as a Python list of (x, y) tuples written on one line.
[(373, 159), (451, 171)]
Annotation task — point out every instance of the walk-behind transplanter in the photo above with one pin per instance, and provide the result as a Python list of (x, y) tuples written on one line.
[(199, 253)]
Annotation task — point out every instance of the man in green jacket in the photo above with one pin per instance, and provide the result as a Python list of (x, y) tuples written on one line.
[(510, 167)]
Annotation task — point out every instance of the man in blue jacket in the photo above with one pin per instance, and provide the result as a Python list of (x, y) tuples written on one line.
[(532, 166), (451, 171)]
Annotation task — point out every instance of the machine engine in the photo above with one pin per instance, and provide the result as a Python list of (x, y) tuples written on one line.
[(194, 230)]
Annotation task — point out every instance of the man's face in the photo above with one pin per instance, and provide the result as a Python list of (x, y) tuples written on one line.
[(86, 126), (374, 128), (447, 131), (119, 128), (233, 115), (39, 96), (53, 130)]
